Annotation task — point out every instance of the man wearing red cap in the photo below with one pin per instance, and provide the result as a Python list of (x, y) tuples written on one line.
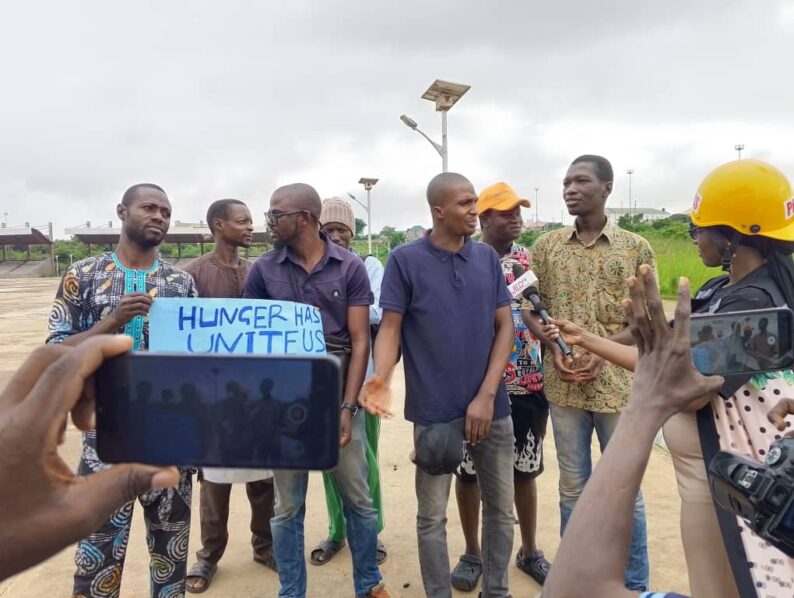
[(499, 209)]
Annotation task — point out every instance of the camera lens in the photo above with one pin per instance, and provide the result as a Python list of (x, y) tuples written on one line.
[(775, 455)]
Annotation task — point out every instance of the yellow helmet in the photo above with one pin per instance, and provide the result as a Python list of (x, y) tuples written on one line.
[(751, 197)]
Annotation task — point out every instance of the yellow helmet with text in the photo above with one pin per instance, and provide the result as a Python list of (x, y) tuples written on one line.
[(752, 197)]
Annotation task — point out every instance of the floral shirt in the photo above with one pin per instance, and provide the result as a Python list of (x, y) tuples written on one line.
[(585, 283), (524, 372), (92, 288)]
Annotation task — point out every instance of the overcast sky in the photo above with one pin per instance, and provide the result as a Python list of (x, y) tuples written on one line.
[(232, 99)]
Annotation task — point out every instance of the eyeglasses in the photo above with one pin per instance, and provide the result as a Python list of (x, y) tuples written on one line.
[(694, 231), (272, 218)]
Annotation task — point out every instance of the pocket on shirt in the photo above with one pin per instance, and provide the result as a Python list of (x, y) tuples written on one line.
[(335, 290)]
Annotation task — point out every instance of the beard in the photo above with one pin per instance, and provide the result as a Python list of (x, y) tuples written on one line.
[(279, 243), (140, 239)]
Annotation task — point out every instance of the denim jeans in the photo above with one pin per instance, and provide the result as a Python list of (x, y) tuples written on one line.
[(350, 476), (493, 459), (573, 433)]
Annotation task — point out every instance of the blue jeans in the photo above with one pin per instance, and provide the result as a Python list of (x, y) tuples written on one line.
[(362, 519), (573, 433), (493, 458)]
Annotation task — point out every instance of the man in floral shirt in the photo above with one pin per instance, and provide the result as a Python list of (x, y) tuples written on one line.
[(108, 294), (500, 219)]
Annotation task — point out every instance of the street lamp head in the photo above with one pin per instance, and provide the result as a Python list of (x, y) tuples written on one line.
[(409, 122), (630, 171), (445, 94), (368, 183), (738, 147)]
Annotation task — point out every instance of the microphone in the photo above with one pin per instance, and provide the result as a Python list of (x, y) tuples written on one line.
[(532, 295), (522, 279), (524, 285)]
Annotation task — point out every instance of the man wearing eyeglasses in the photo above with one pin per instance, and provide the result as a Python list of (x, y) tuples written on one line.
[(308, 268)]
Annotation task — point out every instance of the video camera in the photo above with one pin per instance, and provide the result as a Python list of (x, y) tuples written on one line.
[(761, 494)]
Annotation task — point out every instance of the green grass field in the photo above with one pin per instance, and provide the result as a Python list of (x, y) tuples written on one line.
[(675, 258)]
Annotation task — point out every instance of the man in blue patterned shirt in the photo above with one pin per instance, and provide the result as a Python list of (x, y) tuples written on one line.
[(112, 293)]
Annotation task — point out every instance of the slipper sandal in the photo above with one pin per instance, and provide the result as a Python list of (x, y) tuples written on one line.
[(466, 573), (535, 565), (269, 561), (381, 555), (325, 551), (203, 571)]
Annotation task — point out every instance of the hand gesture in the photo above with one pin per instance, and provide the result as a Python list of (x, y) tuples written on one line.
[(665, 380), (591, 371), (45, 507), (564, 366), (375, 396)]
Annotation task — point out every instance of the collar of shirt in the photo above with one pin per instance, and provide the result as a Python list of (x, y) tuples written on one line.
[(445, 254), (332, 252), (606, 232)]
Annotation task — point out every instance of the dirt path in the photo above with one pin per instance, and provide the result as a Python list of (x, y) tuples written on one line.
[(24, 305)]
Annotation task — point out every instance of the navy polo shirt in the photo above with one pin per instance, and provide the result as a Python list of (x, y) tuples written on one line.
[(338, 281), (449, 302)]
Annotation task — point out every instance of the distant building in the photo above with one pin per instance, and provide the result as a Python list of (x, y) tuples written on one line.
[(648, 214), (540, 226)]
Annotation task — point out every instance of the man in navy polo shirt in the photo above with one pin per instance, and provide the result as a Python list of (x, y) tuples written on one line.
[(445, 298), (308, 268)]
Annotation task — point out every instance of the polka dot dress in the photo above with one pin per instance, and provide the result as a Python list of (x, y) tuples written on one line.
[(743, 428)]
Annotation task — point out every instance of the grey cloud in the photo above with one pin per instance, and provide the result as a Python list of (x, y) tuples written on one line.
[(214, 99)]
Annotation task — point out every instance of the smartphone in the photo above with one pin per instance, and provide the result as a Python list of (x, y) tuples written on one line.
[(742, 342), (251, 411)]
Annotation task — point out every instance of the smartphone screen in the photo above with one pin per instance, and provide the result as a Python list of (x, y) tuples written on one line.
[(262, 412), (743, 341)]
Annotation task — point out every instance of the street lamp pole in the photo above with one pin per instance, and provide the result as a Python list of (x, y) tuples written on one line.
[(739, 147), (368, 183), (536, 203), (445, 95), (630, 172)]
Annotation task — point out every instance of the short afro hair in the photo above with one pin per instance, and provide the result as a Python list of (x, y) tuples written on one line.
[(131, 194), (601, 165), (220, 209)]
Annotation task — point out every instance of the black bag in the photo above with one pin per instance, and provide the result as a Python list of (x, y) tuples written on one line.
[(342, 348)]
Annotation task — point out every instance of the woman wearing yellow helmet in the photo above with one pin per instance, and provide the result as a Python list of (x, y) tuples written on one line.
[(743, 220)]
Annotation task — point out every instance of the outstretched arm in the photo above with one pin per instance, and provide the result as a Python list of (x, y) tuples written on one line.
[(665, 382)]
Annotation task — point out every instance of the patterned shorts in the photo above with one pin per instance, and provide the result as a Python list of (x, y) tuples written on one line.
[(530, 415)]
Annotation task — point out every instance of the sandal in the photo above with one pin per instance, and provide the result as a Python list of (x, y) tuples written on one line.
[(535, 565), (381, 555), (466, 573), (268, 561), (202, 572), (325, 551)]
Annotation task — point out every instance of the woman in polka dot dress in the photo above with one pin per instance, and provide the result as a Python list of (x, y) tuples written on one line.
[(742, 219)]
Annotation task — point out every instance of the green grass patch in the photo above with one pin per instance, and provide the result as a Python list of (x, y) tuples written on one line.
[(678, 257)]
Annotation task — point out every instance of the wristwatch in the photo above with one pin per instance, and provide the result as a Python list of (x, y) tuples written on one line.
[(350, 407)]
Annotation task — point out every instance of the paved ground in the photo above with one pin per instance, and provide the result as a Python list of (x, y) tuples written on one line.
[(24, 306)]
